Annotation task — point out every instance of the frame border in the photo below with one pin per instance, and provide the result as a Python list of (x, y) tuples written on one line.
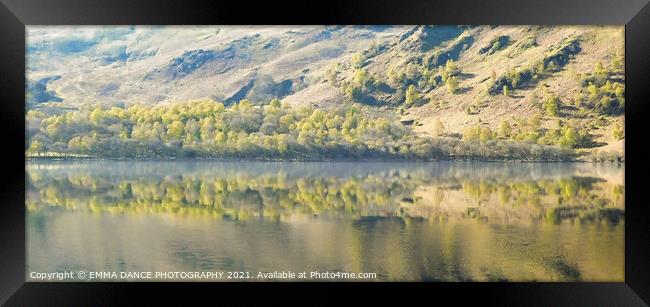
[(16, 14)]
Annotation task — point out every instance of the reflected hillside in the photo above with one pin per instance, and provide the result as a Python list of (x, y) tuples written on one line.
[(487, 192)]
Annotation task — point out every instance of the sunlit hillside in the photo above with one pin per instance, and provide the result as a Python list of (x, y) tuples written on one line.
[(427, 92)]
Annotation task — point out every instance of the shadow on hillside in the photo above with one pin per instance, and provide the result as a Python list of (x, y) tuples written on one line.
[(465, 76), (463, 90)]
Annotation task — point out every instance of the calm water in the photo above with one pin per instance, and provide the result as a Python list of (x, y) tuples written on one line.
[(403, 221)]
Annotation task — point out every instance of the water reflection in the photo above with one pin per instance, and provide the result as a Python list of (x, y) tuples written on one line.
[(419, 221)]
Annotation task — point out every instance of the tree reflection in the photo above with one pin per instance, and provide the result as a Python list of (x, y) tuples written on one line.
[(277, 191)]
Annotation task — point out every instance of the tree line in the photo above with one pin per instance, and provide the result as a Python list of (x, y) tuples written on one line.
[(274, 131)]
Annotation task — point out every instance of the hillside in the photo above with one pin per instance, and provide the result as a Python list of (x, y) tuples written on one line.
[(559, 86), (158, 65)]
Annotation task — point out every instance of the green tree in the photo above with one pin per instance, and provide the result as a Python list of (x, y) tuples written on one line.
[(569, 138), (600, 70), (618, 132), (275, 103), (97, 116), (496, 46), (412, 96), (331, 75), (504, 129), (176, 130), (358, 60), (617, 63), (360, 77), (220, 137), (552, 105), (451, 68), (472, 133), (452, 85), (486, 134)]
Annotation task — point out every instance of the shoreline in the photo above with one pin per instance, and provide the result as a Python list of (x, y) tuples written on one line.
[(195, 159)]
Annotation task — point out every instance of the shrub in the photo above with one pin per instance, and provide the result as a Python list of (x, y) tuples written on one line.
[(452, 85), (504, 129), (618, 132), (495, 45), (552, 105), (412, 96)]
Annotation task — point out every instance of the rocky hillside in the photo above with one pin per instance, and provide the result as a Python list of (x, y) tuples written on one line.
[(158, 65), (559, 85)]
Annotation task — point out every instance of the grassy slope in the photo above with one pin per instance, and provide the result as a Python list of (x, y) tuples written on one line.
[(296, 57), (599, 44)]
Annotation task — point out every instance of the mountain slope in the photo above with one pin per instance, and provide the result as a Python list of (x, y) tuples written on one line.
[(559, 85), (152, 65)]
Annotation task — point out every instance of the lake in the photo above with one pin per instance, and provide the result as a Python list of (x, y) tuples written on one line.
[(437, 221)]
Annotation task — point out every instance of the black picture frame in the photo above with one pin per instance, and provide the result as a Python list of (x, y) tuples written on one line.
[(16, 14)]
